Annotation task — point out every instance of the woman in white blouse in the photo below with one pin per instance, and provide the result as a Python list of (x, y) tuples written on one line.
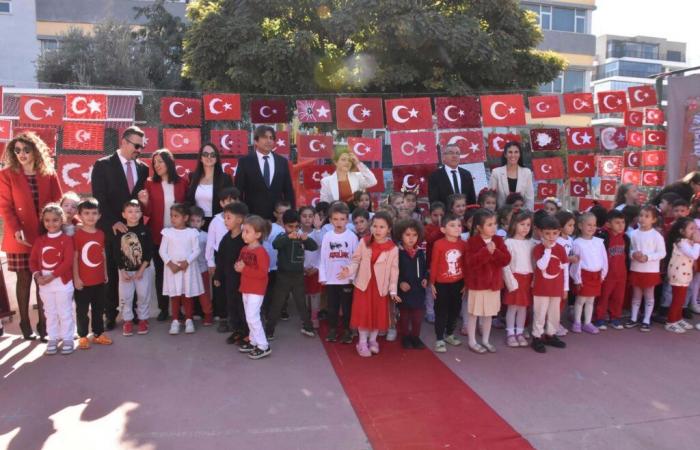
[(207, 181), (513, 177), (350, 176)]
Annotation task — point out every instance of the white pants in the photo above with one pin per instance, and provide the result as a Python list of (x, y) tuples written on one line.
[(58, 308), (144, 291), (545, 310), (252, 304)]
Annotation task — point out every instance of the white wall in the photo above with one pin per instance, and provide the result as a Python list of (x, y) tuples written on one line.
[(19, 47)]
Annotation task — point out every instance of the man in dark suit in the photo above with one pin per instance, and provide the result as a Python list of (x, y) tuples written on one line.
[(263, 177), (450, 179), (115, 180)]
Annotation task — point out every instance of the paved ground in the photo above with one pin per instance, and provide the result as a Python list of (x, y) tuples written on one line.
[(621, 389)]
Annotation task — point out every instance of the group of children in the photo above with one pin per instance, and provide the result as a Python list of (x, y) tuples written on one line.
[(380, 273)]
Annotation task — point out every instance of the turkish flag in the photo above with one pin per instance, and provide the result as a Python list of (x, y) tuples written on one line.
[(581, 103), (413, 148), (282, 144), (654, 158), (229, 166), (634, 118), (641, 96), (83, 136), (633, 159), (48, 135), (75, 171), (608, 187), (545, 139), (86, 106), (580, 138), (635, 138), (581, 166), (653, 178), (609, 166), (314, 174), (653, 116), (633, 176), (359, 113), (612, 102), (410, 178), (182, 140), (314, 146), (314, 111), (545, 190), (656, 138), (366, 149), (470, 143), (309, 197), (150, 138), (458, 112), (498, 141), (586, 203), (408, 114), (268, 111), (41, 110), (5, 130), (543, 106), (548, 168), (503, 110), (578, 188), (231, 142), (613, 138), (222, 106), (183, 167), (379, 175), (180, 111)]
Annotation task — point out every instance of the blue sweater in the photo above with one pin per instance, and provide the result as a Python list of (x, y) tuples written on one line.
[(412, 270)]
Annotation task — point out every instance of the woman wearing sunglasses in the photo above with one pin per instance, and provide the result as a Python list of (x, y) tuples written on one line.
[(207, 181), (27, 183)]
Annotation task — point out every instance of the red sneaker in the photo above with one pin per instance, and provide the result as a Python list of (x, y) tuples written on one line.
[(128, 328), (143, 327)]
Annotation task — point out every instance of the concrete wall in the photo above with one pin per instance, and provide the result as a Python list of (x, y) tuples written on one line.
[(20, 47)]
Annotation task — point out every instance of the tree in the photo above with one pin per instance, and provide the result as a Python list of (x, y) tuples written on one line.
[(304, 46)]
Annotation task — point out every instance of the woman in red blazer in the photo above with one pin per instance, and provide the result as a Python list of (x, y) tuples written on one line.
[(160, 192), (27, 183)]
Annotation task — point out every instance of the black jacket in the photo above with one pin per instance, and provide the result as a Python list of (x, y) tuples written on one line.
[(412, 271), (440, 186), (259, 198), (226, 255), (110, 188)]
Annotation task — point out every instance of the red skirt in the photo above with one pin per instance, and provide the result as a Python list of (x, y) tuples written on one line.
[(523, 295), (591, 284), (369, 309), (311, 284), (644, 280)]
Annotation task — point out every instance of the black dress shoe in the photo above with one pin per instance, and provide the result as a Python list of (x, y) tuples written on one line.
[(43, 339), (417, 343), (29, 337), (406, 342), (110, 324), (162, 316)]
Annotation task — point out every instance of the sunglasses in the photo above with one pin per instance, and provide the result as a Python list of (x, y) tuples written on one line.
[(25, 150), (208, 154), (136, 146)]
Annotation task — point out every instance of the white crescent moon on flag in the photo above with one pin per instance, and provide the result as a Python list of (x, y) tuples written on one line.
[(548, 276), (171, 109), (576, 166), (84, 254), (496, 146), (446, 113), (212, 105), (653, 137), (65, 174), (403, 148), (356, 149), (79, 135), (608, 167), (579, 104), (174, 143), (28, 108), (578, 189), (541, 103), (605, 101), (395, 114), (312, 145), (548, 168), (607, 137), (43, 261), (407, 183), (493, 111), (636, 95), (455, 139), (630, 158), (224, 142), (351, 113), (74, 105), (574, 138), (262, 111)]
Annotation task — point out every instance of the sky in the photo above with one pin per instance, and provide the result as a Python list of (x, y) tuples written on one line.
[(675, 20)]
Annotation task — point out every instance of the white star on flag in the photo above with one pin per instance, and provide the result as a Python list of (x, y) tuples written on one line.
[(94, 106), (227, 106), (586, 138), (280, 142), (323, 111), (474, 147), (420, 147), (512, 110), (188, 110), (413, 112), (365, 112)]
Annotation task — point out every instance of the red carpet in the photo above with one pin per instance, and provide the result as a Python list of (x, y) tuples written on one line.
[(409, 399)]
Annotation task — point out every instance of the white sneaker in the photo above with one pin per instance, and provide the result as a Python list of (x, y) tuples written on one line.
[(674, 327), (685, 324), (175, 327), (440, 347), (189, 326), (391, 334)]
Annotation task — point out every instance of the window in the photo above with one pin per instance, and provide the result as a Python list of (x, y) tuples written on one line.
[(574, 81), (546, 17), (48, 44), (673, 55), (5, 7), (564, 19), (559, 19), (629, 69), (581, 21)]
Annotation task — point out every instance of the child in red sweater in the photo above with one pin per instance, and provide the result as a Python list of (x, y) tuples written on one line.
[(253, 264), (447, 281), (612, 295), (432, 234), (51, 263), (486, 255)]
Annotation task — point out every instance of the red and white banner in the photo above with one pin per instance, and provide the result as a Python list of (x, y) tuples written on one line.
[(633, 176), (543, 106), (40, 110), (366, 149), (314, 146), (545, 190), (497, 143), (581, 166), (229, 166), (612, 102), (548, 168), (653, 178), (545, 139), (578, 188), (410, 178), (408, 114), (609, 166), (578, 103), (310, 111), (413, 148), (86, 106), (5, 130), (653, 158), (314, 174), (503, 110), (222, 106), (83, 136), (641, 96), (635, 138), (470, 143), (608, 187), (182, 140), (458, 112), (75, 172), (282, 146), (613, 138), (656, 138), (580, 138), (268, 111), (231, 142), (634, 118), (359, 113), (633, 159), (653, 116), (180, 111)]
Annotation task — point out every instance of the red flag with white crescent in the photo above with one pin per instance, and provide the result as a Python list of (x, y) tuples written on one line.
[(653, 158), (366, 149), (282, 145), (222, 106), (633, 176), (5, 130), (359, 113), (413, 148), (580, 138), (609, 166), (545, 190), (458, 112), (232, 142), (548, 168), (150, 138), (635, 138), (40, 110), (180, 111), (656, 138), (608, 187), (612, 102), (579, 103), (83, 136), (314, 174), (503, 110), (613, 138), (470, 143), (268, 111), (653, 116), (86, 106), (75, 172), (641, 96), (581, 166), (408, 114), (182, 140), (578, 188), (229, 166), (543, 106), (634, 118), (653, 178), (632, 159), (498, 141), (410, 178), (314, 146)]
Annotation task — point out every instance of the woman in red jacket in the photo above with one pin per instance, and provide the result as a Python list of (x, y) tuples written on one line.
[(484, 259), (161, 191), (27, 183)]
